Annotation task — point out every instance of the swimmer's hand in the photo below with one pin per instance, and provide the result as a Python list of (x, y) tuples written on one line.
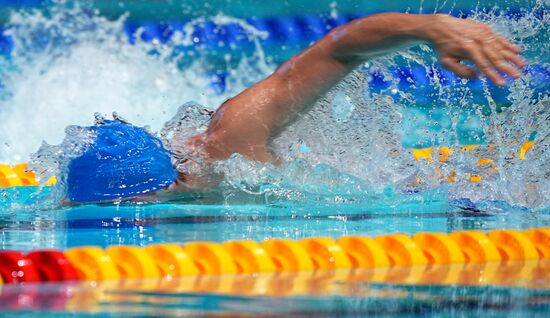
[(457, 40)]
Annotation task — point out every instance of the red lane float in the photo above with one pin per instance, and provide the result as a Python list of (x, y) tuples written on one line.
[(17, 268), (54, 265)]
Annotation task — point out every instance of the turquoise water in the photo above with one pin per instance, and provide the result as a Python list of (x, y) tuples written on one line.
[(348, 172), (158, 223)]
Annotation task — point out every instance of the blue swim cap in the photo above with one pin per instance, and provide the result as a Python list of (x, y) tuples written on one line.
[(124, 161)]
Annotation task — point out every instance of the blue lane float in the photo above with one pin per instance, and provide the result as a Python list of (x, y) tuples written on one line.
[(417, 80), (297, 31), (21, 3)]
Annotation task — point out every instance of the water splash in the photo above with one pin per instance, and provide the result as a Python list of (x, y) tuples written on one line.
[(351, 148), (440, 111), (79, 63)]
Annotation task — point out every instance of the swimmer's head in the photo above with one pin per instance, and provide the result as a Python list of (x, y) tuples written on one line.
[(124, 161)]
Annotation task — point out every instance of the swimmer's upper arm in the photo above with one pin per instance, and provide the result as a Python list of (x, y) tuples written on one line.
[(248, 122), (244, 123)]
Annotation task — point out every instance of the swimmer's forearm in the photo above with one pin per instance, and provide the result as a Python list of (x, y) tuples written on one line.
[(306, 77), (379, 34)]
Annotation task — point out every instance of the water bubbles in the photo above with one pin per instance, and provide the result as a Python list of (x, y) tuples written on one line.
[(117, 117), (99, 119), (343, 107)]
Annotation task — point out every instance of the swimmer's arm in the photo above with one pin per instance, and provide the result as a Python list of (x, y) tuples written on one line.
[(247, 123)]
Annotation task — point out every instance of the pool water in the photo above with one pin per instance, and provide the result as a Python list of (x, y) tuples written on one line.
[(512, 289), (183, 222), (350, 167)]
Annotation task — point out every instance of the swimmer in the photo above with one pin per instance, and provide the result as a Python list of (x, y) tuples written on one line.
[(114, 169)]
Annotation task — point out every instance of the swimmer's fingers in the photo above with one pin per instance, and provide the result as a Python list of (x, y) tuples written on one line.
[(496, 53), (514, 58), (488, 62), (484, 64), (460, 69), (510, 46)]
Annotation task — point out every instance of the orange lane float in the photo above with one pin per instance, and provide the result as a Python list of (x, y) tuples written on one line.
[(172, 260), (364, 252), (439, 248), (288, 255), (250, 257), (133, 262), (541, 240), (513, 245), (27, 177), (476, 246), (211, 258), (404, 256), (20, 175), (325, 253), (402, 250), (8, 177), (93, 264)]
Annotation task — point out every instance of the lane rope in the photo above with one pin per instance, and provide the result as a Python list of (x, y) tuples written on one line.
[(274, 255)]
